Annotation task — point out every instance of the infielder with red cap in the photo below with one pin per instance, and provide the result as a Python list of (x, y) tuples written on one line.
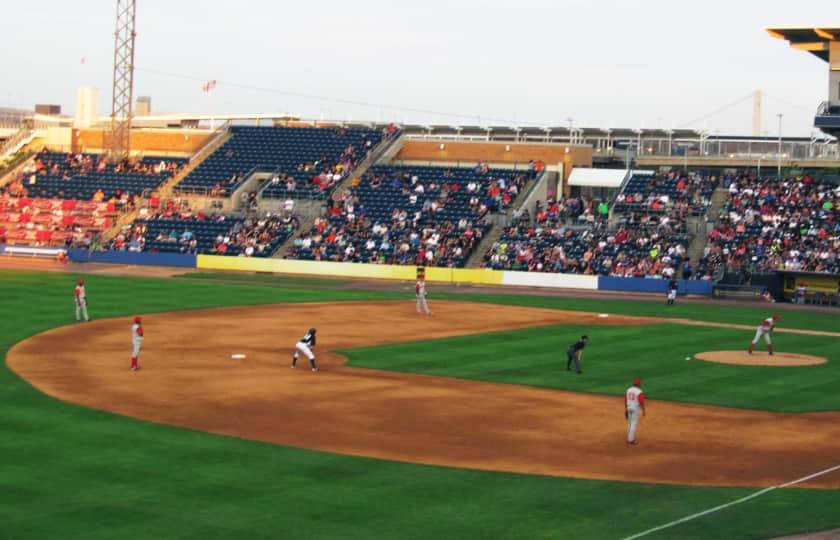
[(136, 342), (634, 408), (763, 331), (81, 300)]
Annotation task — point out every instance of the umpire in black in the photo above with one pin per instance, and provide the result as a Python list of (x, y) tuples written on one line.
[(573, 353)]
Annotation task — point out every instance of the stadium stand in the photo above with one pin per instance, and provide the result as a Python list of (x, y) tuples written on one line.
[(432, 216), (52, 222), (90, 177), (674, 192), (769, 224), (571, 236), (305, 162), (174, 228)]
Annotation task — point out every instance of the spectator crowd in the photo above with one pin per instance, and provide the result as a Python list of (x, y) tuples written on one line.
[(770, 224)]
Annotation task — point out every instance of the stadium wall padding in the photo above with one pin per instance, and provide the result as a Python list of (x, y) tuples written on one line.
[(610, 283), (181, 260), (382, 271), (561, 281)]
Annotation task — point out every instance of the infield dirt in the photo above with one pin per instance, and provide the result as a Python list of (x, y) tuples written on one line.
[(190, 380)]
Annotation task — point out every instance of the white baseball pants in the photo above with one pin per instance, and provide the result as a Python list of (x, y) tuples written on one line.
[(761, 333), (81, 310), (632, 423), (302, 347), (423, 306)]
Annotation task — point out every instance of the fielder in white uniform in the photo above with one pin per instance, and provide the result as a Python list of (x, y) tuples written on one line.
[(136, 342), (81, 300), (763, 331), (422, 304), (634, 408), (305, 346)]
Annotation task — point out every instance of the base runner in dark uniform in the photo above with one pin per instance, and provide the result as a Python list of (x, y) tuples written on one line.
[(574, 352), (305, 346), (672, 292)]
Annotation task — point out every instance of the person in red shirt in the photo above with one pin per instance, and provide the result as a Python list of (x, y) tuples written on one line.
[(634, 408), (81, 301), (136, 342)]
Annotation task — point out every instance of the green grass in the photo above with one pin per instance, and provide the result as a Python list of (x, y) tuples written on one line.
[(68, 472), (277, 280), (617, 354), (749, 314)]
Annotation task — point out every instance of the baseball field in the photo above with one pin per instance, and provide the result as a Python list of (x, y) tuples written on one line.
[(462, 425)]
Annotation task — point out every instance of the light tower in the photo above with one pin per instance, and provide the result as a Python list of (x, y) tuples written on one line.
[(123, 87)]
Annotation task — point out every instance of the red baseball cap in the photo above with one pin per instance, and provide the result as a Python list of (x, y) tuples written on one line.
[(138, 319), (637, 382), (776, 317)]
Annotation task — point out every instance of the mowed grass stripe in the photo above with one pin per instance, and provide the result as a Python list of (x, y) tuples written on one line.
[(73, 473), (617, 354), (749, 313)]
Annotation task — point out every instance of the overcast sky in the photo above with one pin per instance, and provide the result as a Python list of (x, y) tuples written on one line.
[(600, 63)]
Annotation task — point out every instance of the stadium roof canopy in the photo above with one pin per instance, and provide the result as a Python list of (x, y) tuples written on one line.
[(813, 40)]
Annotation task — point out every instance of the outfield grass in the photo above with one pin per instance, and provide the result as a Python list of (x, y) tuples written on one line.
[(69, 472), (749, 314), (616, 355), (276, 280)]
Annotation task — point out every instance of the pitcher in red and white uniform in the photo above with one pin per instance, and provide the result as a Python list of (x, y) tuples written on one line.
[(136, 342), (763, 331), (634, 408), (81, 301), (422, 305)]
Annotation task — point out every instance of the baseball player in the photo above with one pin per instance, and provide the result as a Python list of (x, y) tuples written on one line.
[(574, 353), (634, 407), (672, 292), (81, 300), (305, 346), (763, 331), (422, 304), (136, 342)]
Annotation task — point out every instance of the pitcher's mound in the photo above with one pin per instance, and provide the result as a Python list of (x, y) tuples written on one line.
[(760, 358)]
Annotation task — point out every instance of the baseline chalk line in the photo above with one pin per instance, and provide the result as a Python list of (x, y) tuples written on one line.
[(732, 503)]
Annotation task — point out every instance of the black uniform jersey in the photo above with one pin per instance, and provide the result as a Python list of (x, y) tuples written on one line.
[(672, 285), (578, 345), (308, 339)]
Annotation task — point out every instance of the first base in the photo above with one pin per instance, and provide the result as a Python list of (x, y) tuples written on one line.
[(237, 356)]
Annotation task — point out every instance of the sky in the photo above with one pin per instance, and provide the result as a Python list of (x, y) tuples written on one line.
[(604, 63)]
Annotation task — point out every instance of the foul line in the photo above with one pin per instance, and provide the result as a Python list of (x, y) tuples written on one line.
[(733, 503)]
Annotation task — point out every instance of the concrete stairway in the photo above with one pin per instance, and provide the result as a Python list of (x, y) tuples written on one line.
[(477, 256), (698, 227), (165, 190), (307, 218), (216, 141), (379, 153)]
